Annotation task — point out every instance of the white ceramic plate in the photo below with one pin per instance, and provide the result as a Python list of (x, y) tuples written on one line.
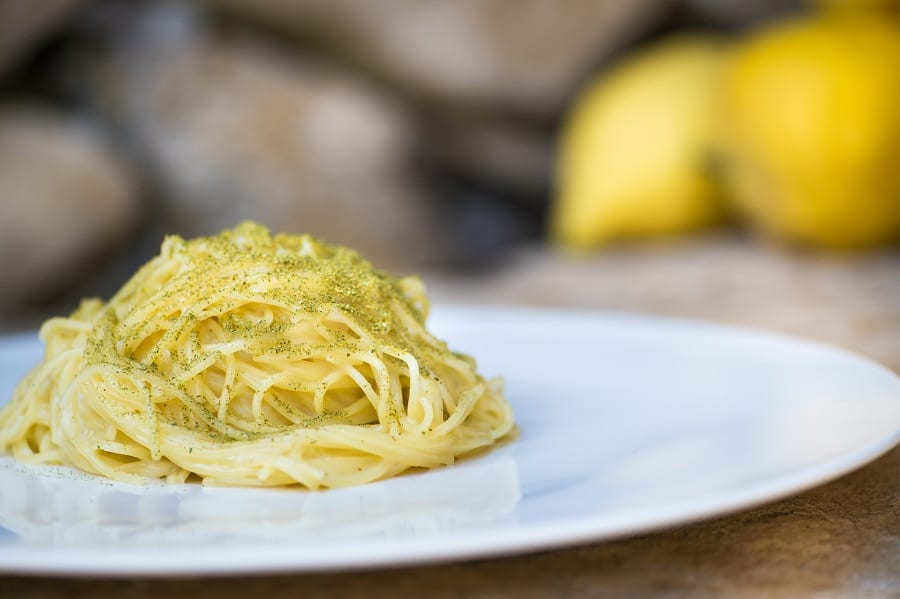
[(627, 424)]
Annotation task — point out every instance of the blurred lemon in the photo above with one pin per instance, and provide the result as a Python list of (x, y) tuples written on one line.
[(633, 154), (812, 116)]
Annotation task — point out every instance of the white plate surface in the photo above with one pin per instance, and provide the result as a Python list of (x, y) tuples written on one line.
[(627, 424)]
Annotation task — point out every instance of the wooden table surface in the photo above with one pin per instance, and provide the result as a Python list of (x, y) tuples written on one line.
[(838, 540)]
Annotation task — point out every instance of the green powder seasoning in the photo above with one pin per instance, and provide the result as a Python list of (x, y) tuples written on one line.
[(248, 286)]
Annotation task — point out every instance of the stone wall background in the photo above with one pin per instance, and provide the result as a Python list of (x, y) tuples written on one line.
[(418, 131)]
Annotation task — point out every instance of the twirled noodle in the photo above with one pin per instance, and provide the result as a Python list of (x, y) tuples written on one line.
[(250, 359)]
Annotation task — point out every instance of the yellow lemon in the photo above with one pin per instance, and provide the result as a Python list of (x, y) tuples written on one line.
[(812, 130), (633, 154)]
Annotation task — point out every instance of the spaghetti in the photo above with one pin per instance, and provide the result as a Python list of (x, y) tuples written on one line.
[(252, 359)]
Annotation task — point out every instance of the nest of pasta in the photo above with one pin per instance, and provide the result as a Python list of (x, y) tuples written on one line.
[(252, 359)]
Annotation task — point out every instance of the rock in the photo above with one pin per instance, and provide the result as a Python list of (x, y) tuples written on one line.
[(492, 73), (25, 24), (524, 56), (236, 129), (740, 13), (515, 157), (65, 198)]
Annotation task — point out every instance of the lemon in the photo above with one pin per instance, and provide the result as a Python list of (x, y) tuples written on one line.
[(812, 130), (633, 153)]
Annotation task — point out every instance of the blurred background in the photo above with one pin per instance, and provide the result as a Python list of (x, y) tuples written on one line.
[(733, 160)]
